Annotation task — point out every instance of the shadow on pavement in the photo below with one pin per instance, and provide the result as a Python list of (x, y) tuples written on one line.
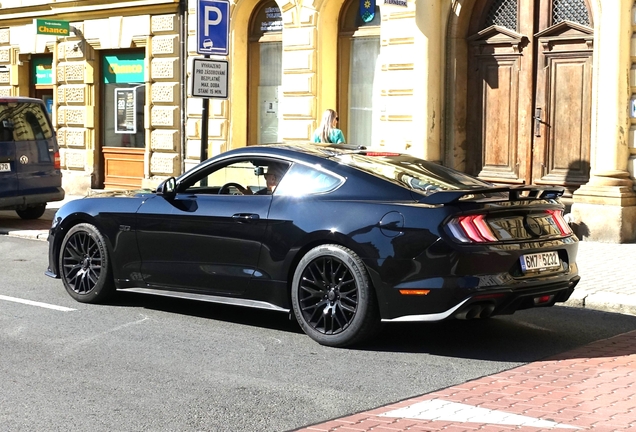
[(526, 336)]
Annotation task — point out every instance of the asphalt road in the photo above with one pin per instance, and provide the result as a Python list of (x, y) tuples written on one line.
[(147, 363)]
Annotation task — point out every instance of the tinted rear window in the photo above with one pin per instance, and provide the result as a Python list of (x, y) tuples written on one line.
[(28, 120), (413, 173)]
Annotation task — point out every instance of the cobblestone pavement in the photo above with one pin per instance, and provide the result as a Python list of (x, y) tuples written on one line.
[(592, 388), (607, 281)]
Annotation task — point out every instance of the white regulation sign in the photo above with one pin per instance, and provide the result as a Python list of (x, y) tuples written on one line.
[(210, 78)]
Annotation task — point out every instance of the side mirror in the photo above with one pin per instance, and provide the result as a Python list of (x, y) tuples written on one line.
[(167, 188)]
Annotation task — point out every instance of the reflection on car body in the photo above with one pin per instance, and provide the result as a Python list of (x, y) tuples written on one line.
[(349, 238)]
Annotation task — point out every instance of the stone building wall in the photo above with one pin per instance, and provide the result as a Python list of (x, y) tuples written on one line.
[(165, 111), (74, 97), (5, 63)]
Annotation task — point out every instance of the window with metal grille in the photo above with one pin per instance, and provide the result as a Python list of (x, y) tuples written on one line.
[(502, 13), (570, 10)]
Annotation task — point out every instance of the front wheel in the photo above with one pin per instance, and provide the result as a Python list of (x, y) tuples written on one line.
[(332, 299), (85, 266)]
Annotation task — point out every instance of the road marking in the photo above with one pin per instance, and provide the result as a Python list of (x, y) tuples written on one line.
[(440, 410), (34, 303)]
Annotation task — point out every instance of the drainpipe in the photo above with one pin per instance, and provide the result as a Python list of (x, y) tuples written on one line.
[(183, 53)]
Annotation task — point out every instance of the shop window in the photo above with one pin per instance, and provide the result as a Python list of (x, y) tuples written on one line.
[(358, 74), (42, 79), (124, 100), (265, 74)]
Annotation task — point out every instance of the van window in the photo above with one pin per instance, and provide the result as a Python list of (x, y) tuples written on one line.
[(29, 120)]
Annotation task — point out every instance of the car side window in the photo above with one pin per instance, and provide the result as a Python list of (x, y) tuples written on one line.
[(238, 177), (305, 180)]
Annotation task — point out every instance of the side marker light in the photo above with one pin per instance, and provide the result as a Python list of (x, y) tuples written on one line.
[(414, 292)]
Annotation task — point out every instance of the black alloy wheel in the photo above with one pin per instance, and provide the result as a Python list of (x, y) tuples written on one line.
[(84, 264), (332, 299)]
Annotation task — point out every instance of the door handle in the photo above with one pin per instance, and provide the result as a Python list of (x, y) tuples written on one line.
[(537, 122), (245, 217)]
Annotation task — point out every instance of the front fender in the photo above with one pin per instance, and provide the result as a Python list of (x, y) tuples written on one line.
[(110, 216)]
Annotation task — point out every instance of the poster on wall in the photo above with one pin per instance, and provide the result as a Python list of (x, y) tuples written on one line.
[(125, 118)]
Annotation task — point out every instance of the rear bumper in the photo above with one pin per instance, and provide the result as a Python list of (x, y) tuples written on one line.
[(437, 286), (23, 201), (500, 302)]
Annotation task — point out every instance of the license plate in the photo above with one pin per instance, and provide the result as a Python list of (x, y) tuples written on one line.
[(5, 167), (540, 261)]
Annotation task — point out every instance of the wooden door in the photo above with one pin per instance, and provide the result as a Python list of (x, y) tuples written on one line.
[(562, 118), (529, 92)]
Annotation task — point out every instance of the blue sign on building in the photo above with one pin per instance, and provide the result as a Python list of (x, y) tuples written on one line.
[(213, 27)]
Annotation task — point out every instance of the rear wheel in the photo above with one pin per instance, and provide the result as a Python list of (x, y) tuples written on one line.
[(32, 212), (85, 266), (332, 299)]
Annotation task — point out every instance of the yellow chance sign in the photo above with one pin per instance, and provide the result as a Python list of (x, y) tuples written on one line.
[(52, 27)]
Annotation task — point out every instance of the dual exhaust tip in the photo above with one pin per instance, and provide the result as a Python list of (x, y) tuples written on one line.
[(475, 311)]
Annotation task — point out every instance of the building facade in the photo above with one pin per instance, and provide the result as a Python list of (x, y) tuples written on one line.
[(513, 91), (113, 82)]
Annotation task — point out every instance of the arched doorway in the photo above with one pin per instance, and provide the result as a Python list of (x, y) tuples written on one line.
[(265, 73), (528, 95), (358, 72)]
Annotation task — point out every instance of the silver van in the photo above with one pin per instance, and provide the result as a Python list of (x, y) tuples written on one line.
[(30, 173)]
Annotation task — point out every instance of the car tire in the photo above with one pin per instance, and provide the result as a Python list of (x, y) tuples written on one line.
[(32, 212), (84, 265), (332, 298)]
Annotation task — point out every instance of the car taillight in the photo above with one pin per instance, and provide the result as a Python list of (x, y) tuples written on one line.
[(561, 224), (56, 160), (471, 229)]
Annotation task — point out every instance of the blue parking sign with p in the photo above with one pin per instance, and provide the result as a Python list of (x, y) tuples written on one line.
[(213, 27)]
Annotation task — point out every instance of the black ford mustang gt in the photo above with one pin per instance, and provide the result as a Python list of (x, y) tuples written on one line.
[(347, 238)]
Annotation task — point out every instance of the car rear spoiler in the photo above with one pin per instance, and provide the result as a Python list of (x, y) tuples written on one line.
[(514, 193)]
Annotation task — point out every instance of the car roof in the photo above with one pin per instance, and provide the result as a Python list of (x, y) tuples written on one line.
[(321, 150)]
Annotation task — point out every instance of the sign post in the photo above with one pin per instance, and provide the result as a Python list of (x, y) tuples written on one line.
[(213, 27), (209, 78), (213, 35)]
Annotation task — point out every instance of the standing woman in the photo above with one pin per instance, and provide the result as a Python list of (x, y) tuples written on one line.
[(327, 131)]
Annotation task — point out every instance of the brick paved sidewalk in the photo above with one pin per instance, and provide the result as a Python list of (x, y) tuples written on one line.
[(592, 388)]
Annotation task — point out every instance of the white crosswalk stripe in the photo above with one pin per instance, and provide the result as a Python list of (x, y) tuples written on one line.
[(437, 409)]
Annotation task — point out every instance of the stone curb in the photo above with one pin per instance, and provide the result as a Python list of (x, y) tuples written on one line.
[(605, 302), (41, 235)]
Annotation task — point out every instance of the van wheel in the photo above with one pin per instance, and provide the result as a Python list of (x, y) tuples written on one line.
[(32, 212)]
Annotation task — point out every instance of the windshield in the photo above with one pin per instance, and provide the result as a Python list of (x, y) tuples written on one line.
[(413, 173)]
